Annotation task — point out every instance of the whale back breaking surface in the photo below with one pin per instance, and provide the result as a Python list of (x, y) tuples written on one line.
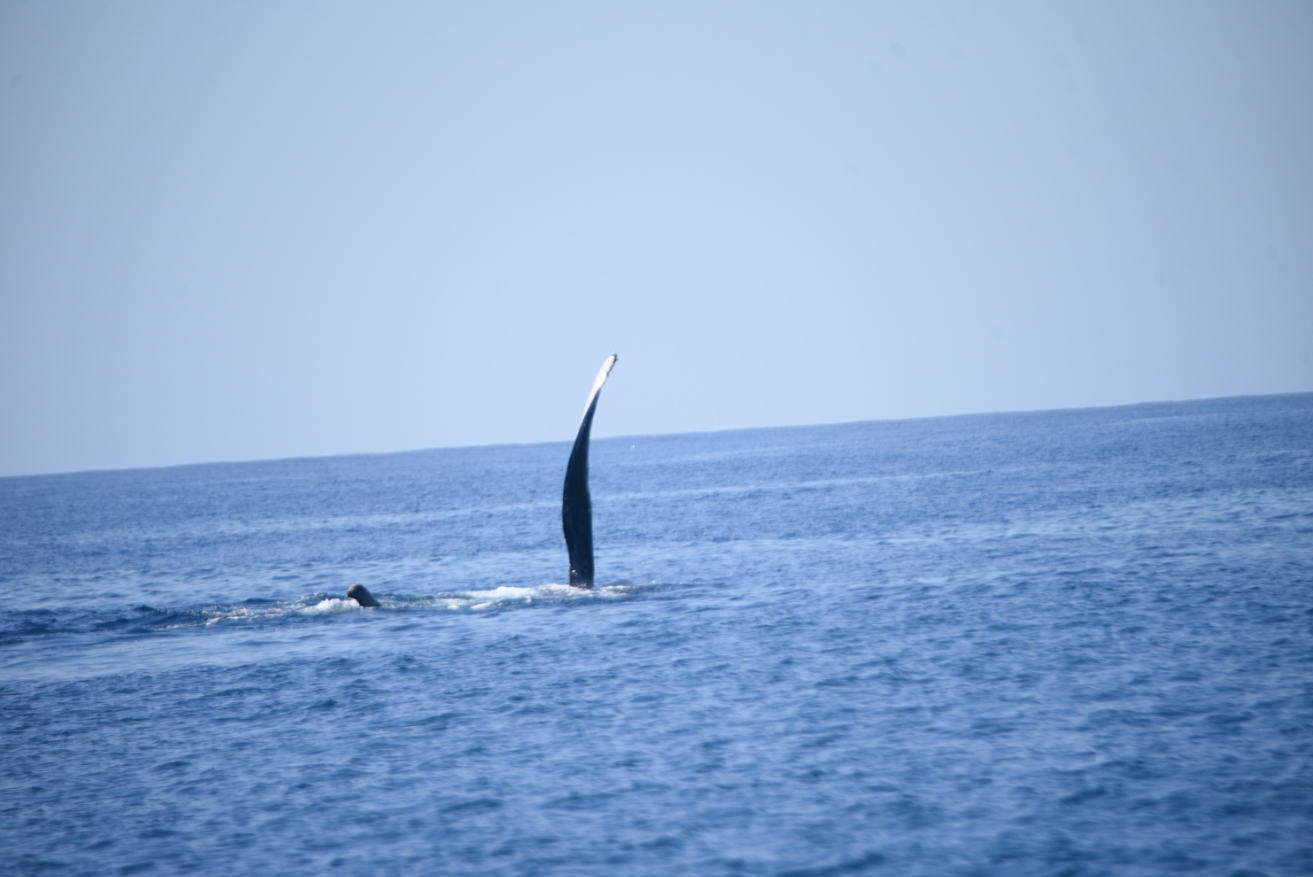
[(361, 595), (576, 503)]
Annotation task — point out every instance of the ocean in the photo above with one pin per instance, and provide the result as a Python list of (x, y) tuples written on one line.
[(1048, 643)]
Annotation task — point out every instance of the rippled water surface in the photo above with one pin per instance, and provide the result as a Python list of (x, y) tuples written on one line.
[(1074, 642)]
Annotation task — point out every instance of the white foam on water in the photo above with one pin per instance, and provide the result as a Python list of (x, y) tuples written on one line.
[(453, 601), (220, 614), (332, 606), (507, 595)]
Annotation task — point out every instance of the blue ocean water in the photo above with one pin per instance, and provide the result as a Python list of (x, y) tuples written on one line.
[(1068, 642)]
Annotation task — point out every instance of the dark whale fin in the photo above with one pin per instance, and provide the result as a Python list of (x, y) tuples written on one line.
[(576, 504), (361, 595)]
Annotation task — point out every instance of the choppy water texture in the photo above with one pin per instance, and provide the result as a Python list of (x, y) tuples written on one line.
[(1071, 642)]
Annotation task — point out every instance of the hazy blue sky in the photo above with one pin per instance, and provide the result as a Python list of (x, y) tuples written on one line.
[(246, 230)]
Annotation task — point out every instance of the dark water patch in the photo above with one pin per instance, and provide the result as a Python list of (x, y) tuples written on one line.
[(473, 807), (857, 865)]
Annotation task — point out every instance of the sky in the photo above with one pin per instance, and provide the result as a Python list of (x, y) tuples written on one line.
[(235, 231)]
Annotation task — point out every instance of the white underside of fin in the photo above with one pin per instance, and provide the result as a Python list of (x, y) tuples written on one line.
[(601, 379)]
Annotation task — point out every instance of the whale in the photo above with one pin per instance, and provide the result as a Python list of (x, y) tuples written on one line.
[(576, 503), (361, 595)]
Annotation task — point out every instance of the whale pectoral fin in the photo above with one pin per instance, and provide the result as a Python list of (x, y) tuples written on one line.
[(576, 504), (361, 595)]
